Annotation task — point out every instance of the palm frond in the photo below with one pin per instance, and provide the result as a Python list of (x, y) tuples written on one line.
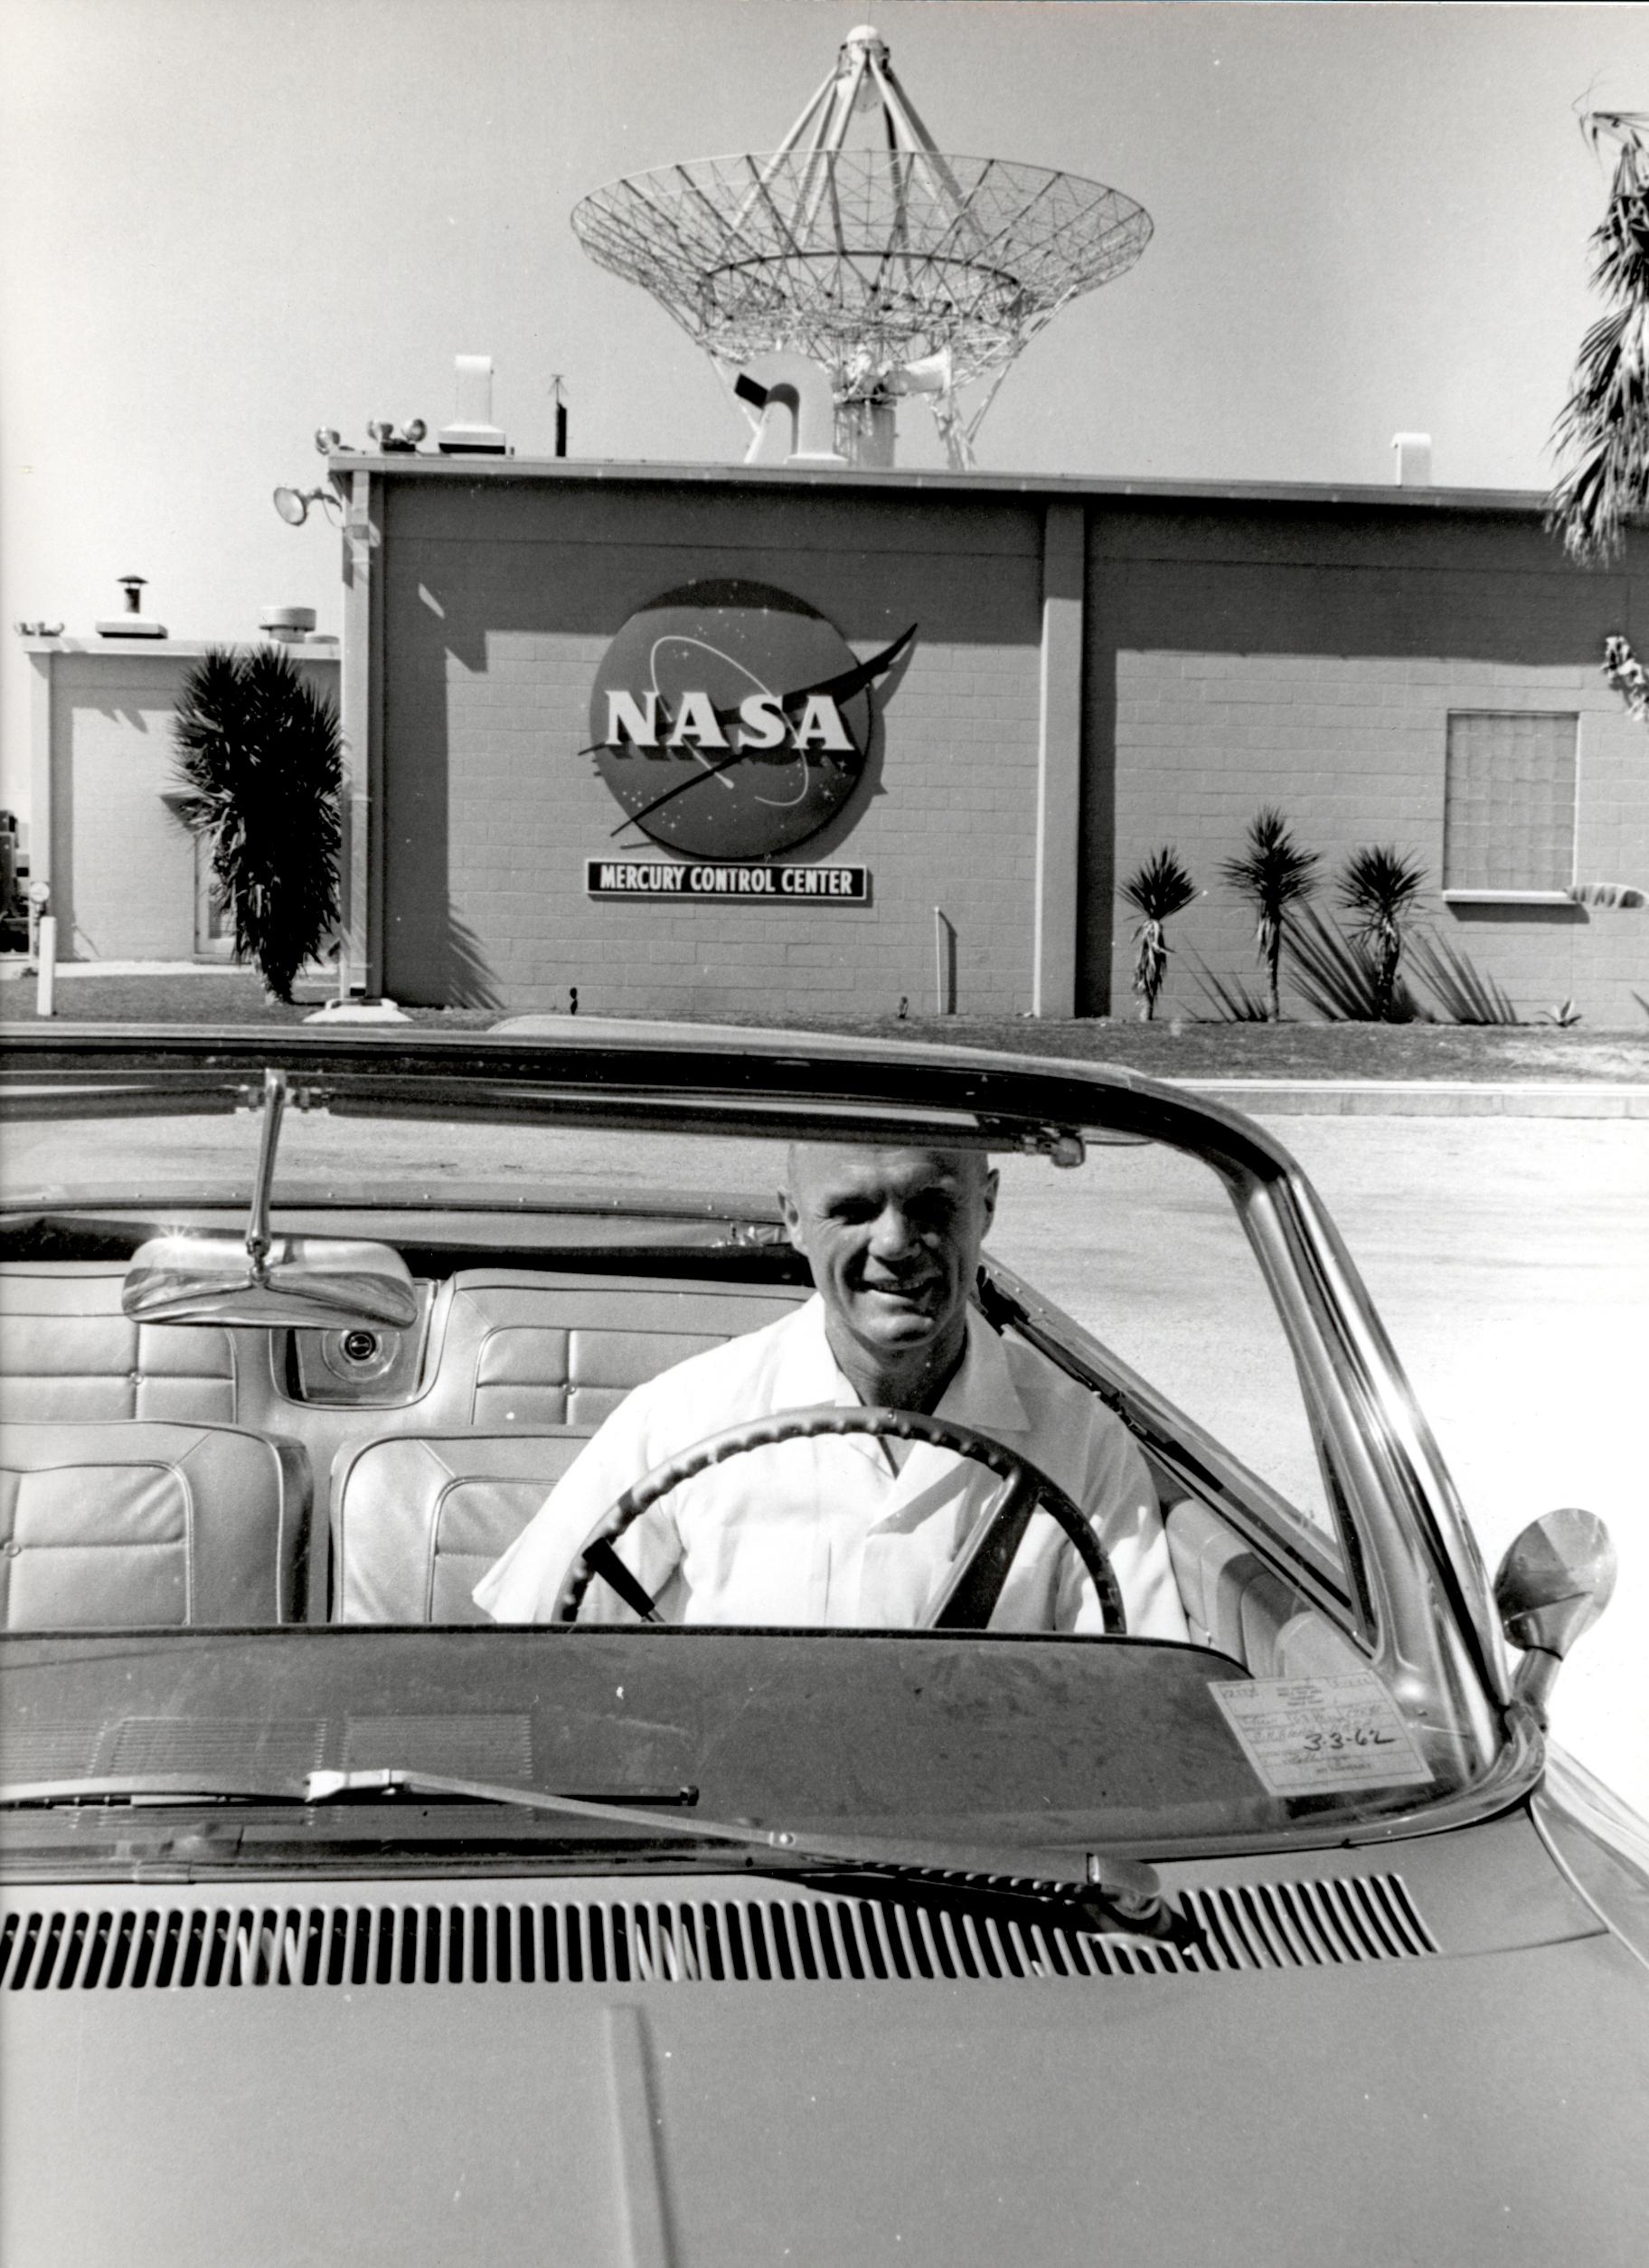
[(1233, 1002), (1458, 986), (1381, 885), (1602, 431), (1342, 979), (1160, 887), (1272, 872)]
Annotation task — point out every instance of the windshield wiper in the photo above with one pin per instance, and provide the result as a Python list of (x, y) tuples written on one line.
[(160, 1788), (136, 1787), (1098, 1891), (1111, 1893)]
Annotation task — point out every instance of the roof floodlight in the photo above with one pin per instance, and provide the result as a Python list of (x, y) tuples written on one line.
[(293, 503)]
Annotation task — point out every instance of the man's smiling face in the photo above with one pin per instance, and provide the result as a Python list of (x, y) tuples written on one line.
[(892, 1237)]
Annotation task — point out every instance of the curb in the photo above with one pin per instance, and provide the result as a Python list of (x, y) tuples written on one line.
[(1423, 1098), (15, 967)]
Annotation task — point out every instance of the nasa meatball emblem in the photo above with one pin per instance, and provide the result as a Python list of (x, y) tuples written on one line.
[(733, 722)]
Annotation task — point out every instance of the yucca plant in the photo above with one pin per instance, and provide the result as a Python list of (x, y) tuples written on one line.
[(1381, 888), (1602, 431), (1233, 1001), (1274, 874), (1455, 982), (258, 752), (1158, 890), (1339, 977)]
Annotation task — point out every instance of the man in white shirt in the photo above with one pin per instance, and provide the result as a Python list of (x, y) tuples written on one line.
[(852, 1530)]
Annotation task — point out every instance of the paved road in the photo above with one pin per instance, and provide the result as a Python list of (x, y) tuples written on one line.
[(1511, 1260), (1509, 1257)]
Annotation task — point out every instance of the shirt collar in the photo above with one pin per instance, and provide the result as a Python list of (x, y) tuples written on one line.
[(982, 1393)]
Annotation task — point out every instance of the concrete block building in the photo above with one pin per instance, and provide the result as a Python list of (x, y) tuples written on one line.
[(128, 881), (1098, 667), (1094, 669)]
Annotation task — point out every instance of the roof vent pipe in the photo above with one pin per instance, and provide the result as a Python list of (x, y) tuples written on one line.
[(472, 432), (133, 623), (1412, 455)]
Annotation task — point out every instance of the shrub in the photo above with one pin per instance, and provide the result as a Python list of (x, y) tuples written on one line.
[(1381, 887), (1274, 874), (1341, 977), (258, 751), (1158, 890)]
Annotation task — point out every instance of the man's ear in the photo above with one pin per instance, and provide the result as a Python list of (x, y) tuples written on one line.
[(993, 1182), (791, 1213)]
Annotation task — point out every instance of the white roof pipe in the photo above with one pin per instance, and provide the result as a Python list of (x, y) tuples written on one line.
[(796, 383)]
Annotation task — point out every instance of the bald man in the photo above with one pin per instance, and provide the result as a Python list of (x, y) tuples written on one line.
[(854, 1531)]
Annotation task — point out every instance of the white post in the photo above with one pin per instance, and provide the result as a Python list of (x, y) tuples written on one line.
[(942, 1002), (45, 975)]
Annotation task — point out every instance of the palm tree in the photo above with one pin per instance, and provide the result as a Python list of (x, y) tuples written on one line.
[(1272, 874), (1381, 887), (258, 751), (1158, 890), (1602, 431)]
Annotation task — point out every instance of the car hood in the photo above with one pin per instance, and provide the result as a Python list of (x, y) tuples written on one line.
[(1487, 2106)]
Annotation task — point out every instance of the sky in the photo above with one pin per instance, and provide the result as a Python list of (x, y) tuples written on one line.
[(228, 223)]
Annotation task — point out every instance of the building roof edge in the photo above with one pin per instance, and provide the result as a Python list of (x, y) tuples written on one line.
[(401, 465)]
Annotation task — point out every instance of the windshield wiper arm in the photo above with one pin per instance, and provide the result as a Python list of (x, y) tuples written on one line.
[(1114, 1892), (1126, 1890)]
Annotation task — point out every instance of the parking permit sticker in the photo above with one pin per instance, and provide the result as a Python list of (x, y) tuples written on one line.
[(1315, 1735)]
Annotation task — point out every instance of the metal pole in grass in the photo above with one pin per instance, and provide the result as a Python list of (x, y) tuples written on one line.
[(45, 967), (943, 1001)]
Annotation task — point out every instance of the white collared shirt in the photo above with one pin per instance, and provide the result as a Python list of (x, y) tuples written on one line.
[(838, 1530)]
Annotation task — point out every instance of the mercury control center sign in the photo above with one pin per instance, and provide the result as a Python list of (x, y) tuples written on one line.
[(731, 722), (677, 878)]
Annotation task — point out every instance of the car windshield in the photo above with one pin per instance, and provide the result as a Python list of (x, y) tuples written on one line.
[(247, 1543)]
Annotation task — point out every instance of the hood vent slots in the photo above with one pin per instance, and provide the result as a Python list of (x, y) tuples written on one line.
[(779, 1939), (1306, 1925)]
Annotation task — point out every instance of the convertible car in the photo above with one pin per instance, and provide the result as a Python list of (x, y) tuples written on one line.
[(341, 1925)]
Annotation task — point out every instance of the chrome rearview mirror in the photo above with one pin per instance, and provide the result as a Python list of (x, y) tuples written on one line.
[(1556, 1579), (310, 1283)]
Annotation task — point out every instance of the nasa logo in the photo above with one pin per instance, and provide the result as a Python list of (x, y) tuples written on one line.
[(731, 721)]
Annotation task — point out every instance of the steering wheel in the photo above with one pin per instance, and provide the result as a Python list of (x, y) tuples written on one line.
[(968, 1598)]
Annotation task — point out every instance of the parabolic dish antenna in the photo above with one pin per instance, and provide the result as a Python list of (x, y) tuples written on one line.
[(897, 269)]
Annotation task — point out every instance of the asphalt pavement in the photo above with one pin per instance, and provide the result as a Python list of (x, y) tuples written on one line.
[(1510, 1261)]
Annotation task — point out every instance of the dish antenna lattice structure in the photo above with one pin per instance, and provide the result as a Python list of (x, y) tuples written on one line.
[(894, 267)]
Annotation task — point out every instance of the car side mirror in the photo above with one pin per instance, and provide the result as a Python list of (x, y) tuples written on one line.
[(1556, 1579)]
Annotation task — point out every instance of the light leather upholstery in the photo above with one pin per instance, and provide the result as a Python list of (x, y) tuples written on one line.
[(418, 1518), (1234, 1601), (67, 1352), (148, 1525), (520, 1349)]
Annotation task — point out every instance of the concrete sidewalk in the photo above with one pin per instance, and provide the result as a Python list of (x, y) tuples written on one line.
[(1424, 1098)]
